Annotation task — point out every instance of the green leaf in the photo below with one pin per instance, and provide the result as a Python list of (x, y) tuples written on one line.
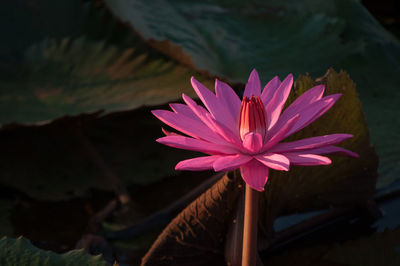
[(229, 40), (20, 251), (70, 77)]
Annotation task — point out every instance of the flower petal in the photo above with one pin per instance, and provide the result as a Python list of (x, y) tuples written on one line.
[(253, 142), (308, 114), (274, 107), (333, 149), (253, 86), (183, 109), (225, 132), (217, 108), (230, 162), (305, 159), (169, 133), (274, 161), (255, 174), (303, 101), (280, 133), (219, 129), (228, 97), (269, 90), (197, 164), (310, 143), (187, 143), (188, 126)]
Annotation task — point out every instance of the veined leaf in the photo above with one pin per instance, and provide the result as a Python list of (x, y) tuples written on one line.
[(20, 251)]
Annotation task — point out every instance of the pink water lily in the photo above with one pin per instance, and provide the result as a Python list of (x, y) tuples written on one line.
[(247, 134)]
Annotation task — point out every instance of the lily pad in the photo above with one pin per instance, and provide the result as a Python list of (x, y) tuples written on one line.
[(20, 251), (228, 39), (70, 77)]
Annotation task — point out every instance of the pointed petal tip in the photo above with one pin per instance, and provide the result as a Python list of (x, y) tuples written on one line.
[(178, 166), (253, 72), (158, 112)]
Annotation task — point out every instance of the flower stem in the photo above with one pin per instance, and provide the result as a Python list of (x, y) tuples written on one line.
[(249, 252)]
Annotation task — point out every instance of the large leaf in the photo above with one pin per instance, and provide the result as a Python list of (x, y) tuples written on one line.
[(277, 37), (70, 77), (80, 63), (21, 252), (228, 40)]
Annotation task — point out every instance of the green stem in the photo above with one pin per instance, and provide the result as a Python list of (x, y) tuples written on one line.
[(249, 252)]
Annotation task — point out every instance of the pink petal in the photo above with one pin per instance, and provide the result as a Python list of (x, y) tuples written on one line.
[(310, 143), (187, 143), (253, 142), (274, 161), (213, 125), (225, 132), (197, 164), (217, 108), (280, 133), (303, 101), (307, 159), (183, 109), (255, 174), (188, 126), (253, 86), (274, 107), (308, 114), (333, 149), (269, 90), (228, 97), (169, 133), (230, 162)]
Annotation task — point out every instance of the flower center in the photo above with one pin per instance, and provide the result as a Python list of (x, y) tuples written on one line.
[(252, 117)]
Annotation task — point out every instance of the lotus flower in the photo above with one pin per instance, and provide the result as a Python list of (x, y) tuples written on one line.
[(247, 134)]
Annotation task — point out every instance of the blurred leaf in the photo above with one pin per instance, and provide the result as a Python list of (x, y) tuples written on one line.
[(228, 40), (21, 252), (375, 70), (70, 77)]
